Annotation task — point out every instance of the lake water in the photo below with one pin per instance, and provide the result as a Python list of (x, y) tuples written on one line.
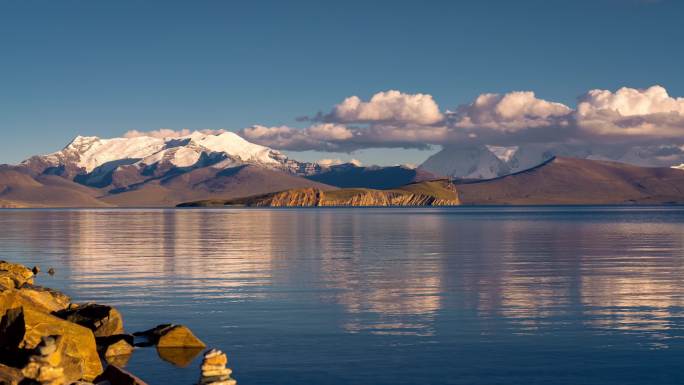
[(582, 295)]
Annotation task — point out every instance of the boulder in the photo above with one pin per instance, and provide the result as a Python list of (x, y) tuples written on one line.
[(120, 348), (172, 336), (6, 282), (103, 320), (40, 299), (48, 299), (104, 342), (23, 328), (15, 273), (118, 353), (117, 376)]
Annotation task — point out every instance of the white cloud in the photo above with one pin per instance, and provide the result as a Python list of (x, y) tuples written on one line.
[(388, 106), (316, 137), (511, 112), (164, 133), (625, 119), (329, 131), (631, 112)]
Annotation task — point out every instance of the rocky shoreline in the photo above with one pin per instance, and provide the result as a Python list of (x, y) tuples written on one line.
[(438, 192), (47, 339)]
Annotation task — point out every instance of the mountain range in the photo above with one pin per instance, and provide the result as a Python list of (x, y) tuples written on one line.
[(486, 161), (147, 171), (152, 172)]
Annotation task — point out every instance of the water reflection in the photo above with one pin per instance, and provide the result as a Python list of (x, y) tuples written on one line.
[(398, 273), (386, 285)]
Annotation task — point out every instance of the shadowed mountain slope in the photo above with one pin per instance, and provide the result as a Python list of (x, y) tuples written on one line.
[(19, 189), (208, 183), (579, 181)]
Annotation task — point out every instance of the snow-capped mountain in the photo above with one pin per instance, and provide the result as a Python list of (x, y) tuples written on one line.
[(95, 161), (488, 161), (147, 170), (88, 153), (485, 161), (477, 162)]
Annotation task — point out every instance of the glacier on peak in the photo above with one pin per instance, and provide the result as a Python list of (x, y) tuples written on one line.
[(90, 152), (504, 153)]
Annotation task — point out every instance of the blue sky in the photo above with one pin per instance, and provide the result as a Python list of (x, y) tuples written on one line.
[(104, 68)]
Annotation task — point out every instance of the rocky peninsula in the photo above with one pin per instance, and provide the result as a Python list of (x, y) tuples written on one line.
[(46, 339), (439, 192)]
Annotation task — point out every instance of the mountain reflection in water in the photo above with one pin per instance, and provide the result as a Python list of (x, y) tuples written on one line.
[(409, 284)]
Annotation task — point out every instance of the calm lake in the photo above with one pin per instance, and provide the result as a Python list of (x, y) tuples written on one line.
[(550, 295)]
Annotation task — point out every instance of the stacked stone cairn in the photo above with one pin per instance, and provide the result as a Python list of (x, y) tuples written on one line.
[(44, 365), (214, 370)]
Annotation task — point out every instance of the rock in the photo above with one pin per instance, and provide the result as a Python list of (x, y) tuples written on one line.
[(44, 366), (35, 270), (6, 282), (119, 353), (9, 375), (44, 300), (23, 328), (49, 299), (214, 369), (172, 336), (120, 348), (179, 337), (104, 342), (117, 376), (16, 273), (101, 319), (51, 271), (180, 357)]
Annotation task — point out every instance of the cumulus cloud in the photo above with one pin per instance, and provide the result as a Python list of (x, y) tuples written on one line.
[(511, 112), (388, 106), (321, 136), (339, 138), (629, 122), (631, 112), (164, 133)]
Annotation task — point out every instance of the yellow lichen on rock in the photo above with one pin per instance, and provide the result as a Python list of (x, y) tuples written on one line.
[(18, 274), (103, 320), (179, 336), (78, 352), (42, 300)]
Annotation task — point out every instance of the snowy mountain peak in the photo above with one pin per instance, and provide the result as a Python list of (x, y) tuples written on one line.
[(90, 152), (505, 154)]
